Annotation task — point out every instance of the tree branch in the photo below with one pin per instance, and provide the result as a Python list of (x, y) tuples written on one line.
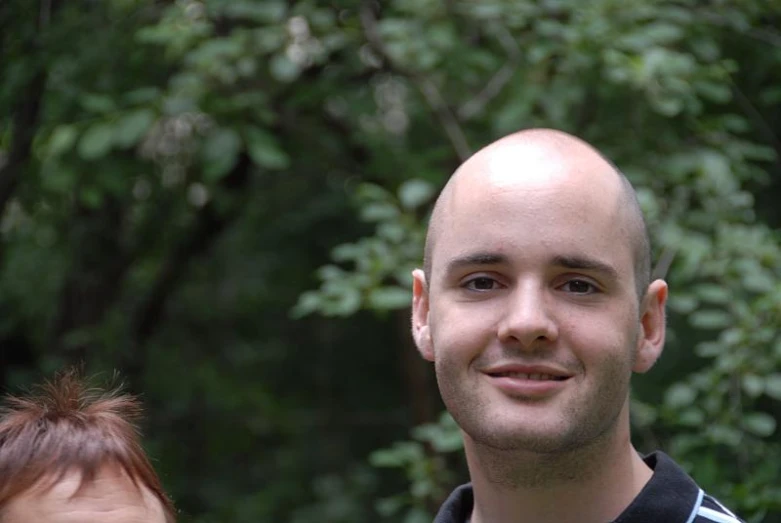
[(663, 265), (430, 91), (94, 281), (761, 34), (500, 79), (753, 113), (209, 224), (26, 115), (25, 124)]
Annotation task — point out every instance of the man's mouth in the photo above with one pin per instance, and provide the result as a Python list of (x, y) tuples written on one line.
[(527, 376)]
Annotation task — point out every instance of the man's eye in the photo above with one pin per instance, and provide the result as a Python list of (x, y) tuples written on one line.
[(579, 287), (481, 284)]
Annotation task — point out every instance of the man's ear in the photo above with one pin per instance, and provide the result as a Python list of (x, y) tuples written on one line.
[(420, 311), (650, 341)]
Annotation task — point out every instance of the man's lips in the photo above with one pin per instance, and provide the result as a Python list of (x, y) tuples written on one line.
[(528, 381), (528, 372)]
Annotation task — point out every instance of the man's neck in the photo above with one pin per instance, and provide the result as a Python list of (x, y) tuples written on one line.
[(589, 485)]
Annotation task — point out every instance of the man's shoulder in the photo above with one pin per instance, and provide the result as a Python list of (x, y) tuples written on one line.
[(672, 495)]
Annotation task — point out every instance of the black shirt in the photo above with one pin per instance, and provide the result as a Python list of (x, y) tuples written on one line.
[(671, 496)]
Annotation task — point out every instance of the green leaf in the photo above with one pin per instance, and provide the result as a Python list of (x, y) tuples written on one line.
[(758, 281), (308, 302), (723, 434), (62, 139), (268, 11), (377, 212), (708, 349), (417, 515), (132, 127), (715, 92), (400, 454), (753, 385), (368, 192), (710, 319), (386, 458), (345, 303), (91, 197), (760, 424), (331, 272), (96, 141), (393, 231), (713, 293), (347, 251), (643, 414), (679, 395), (283, 69), (98, 103), (388, 298), (387, 507), (773, 386), (662, 33), (414, 193), (61, 180), (732, 337), (444, 435), (220, 152), (683, 303), (692, 417), (142, 95), (264, 149), (667, 105)]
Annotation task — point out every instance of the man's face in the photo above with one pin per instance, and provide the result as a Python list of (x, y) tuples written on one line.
[(112, 497), (531, 315)]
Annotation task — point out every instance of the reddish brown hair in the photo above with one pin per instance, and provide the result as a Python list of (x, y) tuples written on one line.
[(66, 425)]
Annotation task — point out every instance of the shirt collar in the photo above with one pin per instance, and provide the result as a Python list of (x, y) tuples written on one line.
[(670, 495)]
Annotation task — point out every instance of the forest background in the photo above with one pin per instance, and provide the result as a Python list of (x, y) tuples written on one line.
[(223, 200)]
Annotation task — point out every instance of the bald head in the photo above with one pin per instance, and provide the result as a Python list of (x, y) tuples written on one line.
[(546, 160)]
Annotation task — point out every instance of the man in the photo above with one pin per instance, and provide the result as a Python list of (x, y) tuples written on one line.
[(535, 305), (70, 454)]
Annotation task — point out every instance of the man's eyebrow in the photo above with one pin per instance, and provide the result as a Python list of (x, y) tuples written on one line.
[(475, 259), (585, 263)]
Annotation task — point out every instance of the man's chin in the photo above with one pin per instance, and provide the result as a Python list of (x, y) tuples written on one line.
[(519, 438)]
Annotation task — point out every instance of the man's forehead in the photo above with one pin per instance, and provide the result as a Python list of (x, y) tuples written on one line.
[(486, 193), (489, 212), (531, 166)]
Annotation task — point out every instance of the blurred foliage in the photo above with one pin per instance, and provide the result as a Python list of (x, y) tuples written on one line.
[(381, 265), (184, 183)]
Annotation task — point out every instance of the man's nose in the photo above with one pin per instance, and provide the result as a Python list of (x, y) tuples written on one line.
[(527, 319)]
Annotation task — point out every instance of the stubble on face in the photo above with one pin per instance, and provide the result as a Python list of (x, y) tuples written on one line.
[(582, 421)]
